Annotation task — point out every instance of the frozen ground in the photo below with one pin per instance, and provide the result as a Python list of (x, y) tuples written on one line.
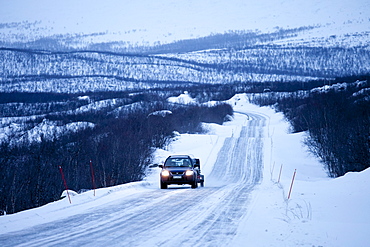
[(242, 203)]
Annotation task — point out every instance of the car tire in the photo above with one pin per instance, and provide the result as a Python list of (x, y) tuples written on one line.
[(194, 185), (163, 185)]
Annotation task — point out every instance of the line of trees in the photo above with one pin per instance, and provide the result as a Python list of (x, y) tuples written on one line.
[(120, 149), (337, 119)]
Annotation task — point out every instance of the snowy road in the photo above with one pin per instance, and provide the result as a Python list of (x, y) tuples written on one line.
[(178, 216)]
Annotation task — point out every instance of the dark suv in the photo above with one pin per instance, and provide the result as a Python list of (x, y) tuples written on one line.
[(181, 169)]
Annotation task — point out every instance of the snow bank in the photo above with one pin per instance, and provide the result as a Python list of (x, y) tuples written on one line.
[(320, 212), (184, 98)]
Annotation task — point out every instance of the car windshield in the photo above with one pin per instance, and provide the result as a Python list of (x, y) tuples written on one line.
[(183, 162)]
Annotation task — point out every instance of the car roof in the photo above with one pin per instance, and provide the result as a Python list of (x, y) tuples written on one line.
[(180, 156)]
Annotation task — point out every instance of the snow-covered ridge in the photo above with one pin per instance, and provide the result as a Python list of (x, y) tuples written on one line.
[(19, 129), (50, 130), (82, 72), (341, 87), (46, 130), (98, 105)]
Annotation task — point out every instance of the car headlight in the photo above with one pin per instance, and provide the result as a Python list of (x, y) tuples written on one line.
[(165, 173), (189, 173)]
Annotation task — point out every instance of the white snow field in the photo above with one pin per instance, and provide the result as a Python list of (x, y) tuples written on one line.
[(244, 201)]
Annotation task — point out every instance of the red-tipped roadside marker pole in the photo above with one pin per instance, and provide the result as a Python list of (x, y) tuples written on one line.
[(92, 176), (281, 168), (65, 183), (291, 185)]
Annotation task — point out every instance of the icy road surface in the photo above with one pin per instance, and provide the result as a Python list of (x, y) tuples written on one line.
[(178, 216)]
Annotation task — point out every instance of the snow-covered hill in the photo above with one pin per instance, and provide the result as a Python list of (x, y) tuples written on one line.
[(201, 42), (77, 23), (320, 211)]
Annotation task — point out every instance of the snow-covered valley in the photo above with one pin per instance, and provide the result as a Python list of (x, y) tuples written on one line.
[(72, 71), (248, 163)]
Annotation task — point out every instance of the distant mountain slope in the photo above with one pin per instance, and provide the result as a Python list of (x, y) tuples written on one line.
[(86, 46), (146, 23)]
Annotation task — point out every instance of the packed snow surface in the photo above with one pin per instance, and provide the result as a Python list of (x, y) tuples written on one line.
[(248, 165)]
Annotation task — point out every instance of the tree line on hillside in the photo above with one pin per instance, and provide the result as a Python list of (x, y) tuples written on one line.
[(87, 70), (119, 148), (337, 119)]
